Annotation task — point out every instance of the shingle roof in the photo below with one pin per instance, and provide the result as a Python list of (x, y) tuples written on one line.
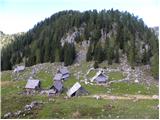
[(58, 85), (32, 84), (64, 70), (58, 76), (99, 77), (65, 76)]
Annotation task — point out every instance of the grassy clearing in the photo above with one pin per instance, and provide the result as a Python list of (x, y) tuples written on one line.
[(132, 88), (115, 88), (12, 103), (70, 82), (6, 76), (45, 78), (83, 107), (91, 74), (79, 107), (12, 87), (116, 76), (91, 108)]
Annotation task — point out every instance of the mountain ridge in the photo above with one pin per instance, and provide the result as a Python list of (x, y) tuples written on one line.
[(109, 33)]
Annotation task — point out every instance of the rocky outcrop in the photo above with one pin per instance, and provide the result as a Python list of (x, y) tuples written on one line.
[(6, 39), (27, 108)]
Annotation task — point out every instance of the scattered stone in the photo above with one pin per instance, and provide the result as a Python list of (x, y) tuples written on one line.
[(155, 97), (42, 92), (108, 91), (27, 106), (86, 82), (97, 97), (18, 113), (76, 114), (8, 115), (157, 106), (109, 107), (113, 97), (117, 117), (135, 100), (109, 116), (91, 83), (103, 110), (66, 97), (139, 92), (34, 103), (136, 81), (51, 100)]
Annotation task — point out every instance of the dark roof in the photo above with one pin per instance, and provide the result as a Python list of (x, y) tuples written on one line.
[(19, 68), (101, 78), (81, 91), (58, 76), (65, 76), (64, 71), (58, 85), (32, 84)]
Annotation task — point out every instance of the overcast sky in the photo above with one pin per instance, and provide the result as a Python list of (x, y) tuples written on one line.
[(22, 15)]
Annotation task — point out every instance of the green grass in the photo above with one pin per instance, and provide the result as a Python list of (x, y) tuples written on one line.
[(132, 88), (12, 87), (45, 78), (91, 89), (91, 108), (14, 102), (91, 74), (94, 89), (115, 88), (116, 76), (70, 82), (79, 107), (6, 76), (86, 107)]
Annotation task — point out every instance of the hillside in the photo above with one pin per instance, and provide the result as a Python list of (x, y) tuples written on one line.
[(107, 36), (115, 99)]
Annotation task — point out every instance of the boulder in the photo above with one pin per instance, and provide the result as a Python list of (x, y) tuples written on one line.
[(18, 113), (139, 92), (97, 97), (28, 107), (113, 97), (155, 97), (8, 115)]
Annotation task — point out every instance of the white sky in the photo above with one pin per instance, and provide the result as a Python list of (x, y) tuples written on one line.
[(22, 15)]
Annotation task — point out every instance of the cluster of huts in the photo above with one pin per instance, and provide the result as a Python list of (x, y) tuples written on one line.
[(57, 87)]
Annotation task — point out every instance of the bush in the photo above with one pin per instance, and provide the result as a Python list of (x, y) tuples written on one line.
[(96, 65)]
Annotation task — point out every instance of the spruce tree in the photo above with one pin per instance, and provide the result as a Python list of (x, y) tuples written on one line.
[(89, 53)]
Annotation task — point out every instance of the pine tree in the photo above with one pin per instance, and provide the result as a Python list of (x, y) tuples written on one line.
[(69, 53), (109, 55), (96, 65), (89, 53), (117, 54), (57, 55), (155, 65), (98, 53)]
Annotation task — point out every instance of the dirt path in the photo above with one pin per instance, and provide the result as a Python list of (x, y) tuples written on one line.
[(3, 83), (124, 97)]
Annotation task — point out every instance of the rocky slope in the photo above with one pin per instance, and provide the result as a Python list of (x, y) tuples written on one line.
[(6, 39)]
